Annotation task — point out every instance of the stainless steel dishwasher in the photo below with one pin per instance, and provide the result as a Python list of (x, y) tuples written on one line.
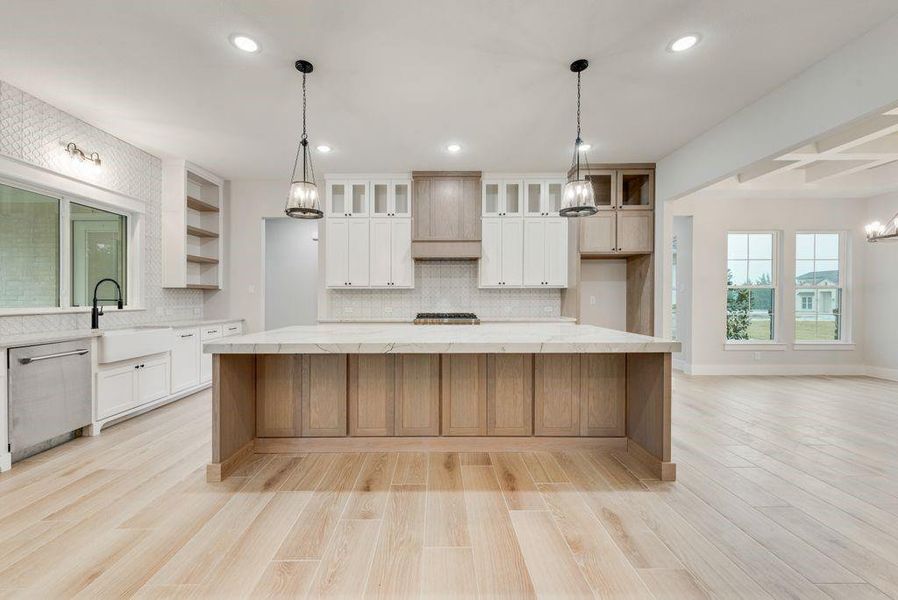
[(49, 392)]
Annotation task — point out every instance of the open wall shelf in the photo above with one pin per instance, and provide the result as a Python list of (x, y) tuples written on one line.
[(192, 226)]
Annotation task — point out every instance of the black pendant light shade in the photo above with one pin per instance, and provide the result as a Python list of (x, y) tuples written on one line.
[(303, 201), (578, 198)]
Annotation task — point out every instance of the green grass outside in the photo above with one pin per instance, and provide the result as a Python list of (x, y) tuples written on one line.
[(804, 330)]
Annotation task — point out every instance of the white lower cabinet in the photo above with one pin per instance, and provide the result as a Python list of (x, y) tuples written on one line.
[(132, 384), (391, 253), (545, 252), (208, 333), (185, 359), (346, 253)]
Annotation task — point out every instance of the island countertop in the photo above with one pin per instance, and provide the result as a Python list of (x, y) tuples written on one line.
[(406, 338)]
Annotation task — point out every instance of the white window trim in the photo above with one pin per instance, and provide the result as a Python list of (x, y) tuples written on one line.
[(67, 190), (847, 341), (775, 343)]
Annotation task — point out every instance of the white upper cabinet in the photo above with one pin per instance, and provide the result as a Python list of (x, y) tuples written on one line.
[(503, 198), (346, 259), (545, 252), (347, 198), (502, 253), (391, 253), (542, 197), (391, 198)]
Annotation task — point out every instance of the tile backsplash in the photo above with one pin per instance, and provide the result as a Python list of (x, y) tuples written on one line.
[(35, 132), (443, 286)]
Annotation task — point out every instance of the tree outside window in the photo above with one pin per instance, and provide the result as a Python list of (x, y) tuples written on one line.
[(751, 288)]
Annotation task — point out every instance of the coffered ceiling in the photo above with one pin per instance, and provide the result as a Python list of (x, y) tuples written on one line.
[(395, 81)]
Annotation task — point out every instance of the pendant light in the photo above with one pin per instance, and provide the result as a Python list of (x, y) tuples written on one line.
[(578, 199), (303, 203)]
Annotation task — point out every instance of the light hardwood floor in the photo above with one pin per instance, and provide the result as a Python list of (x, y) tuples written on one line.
[(788, 488)]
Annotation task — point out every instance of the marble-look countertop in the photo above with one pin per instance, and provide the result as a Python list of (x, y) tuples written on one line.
[(482, 320), (399, 338), (50, 337)]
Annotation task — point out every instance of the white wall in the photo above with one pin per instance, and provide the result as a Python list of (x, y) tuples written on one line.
[(682, 229), (881, 299), (249, 202), (35, 133), (711, 220)]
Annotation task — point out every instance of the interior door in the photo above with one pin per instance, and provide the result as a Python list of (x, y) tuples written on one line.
[(336, 261), (556, 232), (534, 252), (381, 251), (358, 249), (490, 265), (512, 252), (402, 265)]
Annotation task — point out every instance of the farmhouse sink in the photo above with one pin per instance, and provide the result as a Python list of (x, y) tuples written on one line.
[(133, 342)]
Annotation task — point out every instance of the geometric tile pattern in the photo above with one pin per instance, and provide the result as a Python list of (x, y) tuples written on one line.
[(443, 286), (35, 132)]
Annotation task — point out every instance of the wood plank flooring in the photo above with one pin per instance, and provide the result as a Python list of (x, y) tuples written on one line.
[(788, 488)]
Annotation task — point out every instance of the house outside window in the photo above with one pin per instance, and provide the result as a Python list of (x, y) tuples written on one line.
[(751, 286), (819, 276)]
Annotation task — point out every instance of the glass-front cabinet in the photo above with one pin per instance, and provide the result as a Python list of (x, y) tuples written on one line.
[(391, 198), (542, 198), (347, 198), (604, 188), (503, 198), (636, 189)]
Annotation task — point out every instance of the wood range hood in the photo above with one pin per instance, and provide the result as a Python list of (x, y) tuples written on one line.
[(446, 215)]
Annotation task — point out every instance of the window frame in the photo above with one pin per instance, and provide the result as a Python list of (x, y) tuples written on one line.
[(775, 257), (845, 329), (134, 247)]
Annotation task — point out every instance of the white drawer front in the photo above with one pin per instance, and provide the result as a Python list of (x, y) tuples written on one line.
[(232, 329), (211, 332)]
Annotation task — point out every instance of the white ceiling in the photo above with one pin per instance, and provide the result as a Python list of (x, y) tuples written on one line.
[(396, 80), (856, 160)]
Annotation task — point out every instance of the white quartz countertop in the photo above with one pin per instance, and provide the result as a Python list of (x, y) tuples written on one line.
[(399, 338)]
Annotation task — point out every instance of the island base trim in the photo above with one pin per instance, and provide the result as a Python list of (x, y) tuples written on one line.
[(216, 472), (663, 470), (436, 444)]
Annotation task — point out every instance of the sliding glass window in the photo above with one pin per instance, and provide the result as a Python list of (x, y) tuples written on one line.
[(29, 249), (99, 251)]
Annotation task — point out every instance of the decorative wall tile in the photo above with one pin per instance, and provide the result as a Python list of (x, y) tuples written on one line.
[(443, 286), (35, 132)]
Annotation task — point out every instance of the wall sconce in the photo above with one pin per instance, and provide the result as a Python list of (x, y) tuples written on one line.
[(77, 153)]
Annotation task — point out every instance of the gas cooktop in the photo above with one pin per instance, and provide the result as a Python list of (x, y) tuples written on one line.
[(446, 319)]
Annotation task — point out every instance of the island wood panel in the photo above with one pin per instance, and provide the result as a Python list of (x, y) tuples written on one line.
[(278, 395), (417, 395), (648, 410), (556, 394), (323, 395), (641, 294), (372, 385), (510, 394), (603, 394), (464, 396), (233, 412)]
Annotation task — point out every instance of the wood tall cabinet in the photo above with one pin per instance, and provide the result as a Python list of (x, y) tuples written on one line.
[(622, 229)]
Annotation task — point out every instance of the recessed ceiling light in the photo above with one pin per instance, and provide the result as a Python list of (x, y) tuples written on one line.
[(324, 148), (681, 44), (453, 148), (243, 42), (584, 147)]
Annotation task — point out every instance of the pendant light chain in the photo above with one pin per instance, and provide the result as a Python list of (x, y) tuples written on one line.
[(578, 106), (303, 142)]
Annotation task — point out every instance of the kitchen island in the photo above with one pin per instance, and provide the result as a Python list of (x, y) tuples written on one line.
[(476, 388)]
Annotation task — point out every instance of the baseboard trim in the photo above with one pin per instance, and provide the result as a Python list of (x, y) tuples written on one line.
[(96, 426), (216, 472), (883, 373), (663, 470), (781, 369), (435, 444)]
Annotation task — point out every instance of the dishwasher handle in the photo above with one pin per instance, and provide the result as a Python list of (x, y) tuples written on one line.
[(31, 359)]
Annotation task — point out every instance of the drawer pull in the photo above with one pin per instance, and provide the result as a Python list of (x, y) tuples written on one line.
[(186, 335), (31, 359)]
